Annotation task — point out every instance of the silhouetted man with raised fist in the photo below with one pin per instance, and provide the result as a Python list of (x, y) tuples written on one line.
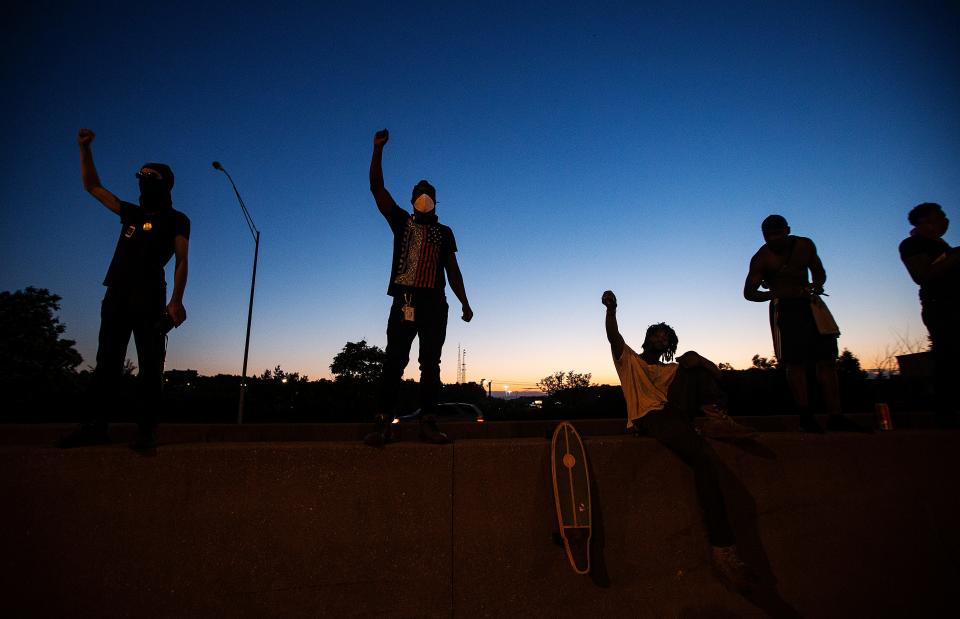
[(135, 302), (423, 249)]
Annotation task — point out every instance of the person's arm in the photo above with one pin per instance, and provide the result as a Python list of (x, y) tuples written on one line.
[(925, 271), (691, 359), (88, 173), (385, 201), (751, 287), (456, 284), (175, 307), (817, 272), (613, 331)]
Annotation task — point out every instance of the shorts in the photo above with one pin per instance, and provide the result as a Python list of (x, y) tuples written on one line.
[(796, 338)]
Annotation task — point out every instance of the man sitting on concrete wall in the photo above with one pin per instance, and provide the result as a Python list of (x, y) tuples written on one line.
[(662, 398)]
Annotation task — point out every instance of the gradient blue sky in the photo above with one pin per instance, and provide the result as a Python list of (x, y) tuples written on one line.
[(575, 148)]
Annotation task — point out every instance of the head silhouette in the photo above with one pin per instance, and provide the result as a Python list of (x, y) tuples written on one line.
[(661, 340), (424, 199), (922, 211), (166, 180), (423, 187), (929, 218), (774, 227), (156, 182)]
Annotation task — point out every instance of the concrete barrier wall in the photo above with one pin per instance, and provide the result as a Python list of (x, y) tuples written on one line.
[(837, 525)]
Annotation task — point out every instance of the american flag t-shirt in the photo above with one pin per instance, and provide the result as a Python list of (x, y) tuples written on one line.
[(429, 258), (420, 256)]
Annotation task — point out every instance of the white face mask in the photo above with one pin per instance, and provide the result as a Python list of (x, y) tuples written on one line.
[(424, 203)]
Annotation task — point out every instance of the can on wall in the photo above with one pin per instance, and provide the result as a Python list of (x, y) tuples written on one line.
[(883, 416)]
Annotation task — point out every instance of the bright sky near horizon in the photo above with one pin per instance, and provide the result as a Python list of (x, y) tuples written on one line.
[(575, 147)]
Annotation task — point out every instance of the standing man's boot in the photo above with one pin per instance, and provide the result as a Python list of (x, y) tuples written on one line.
[(382, 433), (430, 431)]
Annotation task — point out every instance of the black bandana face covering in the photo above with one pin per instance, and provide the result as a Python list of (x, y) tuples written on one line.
[(154, 195), (155, 192)]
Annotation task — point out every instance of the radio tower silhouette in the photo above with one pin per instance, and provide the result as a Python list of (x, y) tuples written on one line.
[(463, 367)]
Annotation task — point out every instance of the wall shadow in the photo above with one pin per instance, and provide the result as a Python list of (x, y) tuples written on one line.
[(742, 508)]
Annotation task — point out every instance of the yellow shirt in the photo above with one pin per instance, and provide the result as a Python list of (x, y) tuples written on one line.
[(644, 385)]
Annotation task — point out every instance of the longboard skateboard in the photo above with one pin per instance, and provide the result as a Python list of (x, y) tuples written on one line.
[(571, 493)]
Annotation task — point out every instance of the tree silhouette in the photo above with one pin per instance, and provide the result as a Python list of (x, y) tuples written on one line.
[(37, 367), (762, 363), (358, 361), (559, 381), (848, 365), (279, 375), (30, 345)]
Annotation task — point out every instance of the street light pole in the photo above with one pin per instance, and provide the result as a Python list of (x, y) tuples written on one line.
[(246, 344), (253, 283)]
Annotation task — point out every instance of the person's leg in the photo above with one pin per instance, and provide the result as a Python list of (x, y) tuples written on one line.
[(100, 399), (941, 323), (796, 325), (674, 430), (696, 390), (400, 334), (797, 381), (115, 329), (151, 352), (829, 385), (432, 332), (946, 369), (824, 350)]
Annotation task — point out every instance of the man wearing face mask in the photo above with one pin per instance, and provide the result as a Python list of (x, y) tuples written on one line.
[(423, 249), (135, 301)]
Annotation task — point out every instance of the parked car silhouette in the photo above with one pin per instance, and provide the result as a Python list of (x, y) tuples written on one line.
[(448, 411)]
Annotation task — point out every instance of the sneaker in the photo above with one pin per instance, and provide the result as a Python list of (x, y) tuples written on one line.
[(84, 436), (808, 424), (841, 423), (732, 570), (146, 443), (382, 433), (719, 424), (430, 431)]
